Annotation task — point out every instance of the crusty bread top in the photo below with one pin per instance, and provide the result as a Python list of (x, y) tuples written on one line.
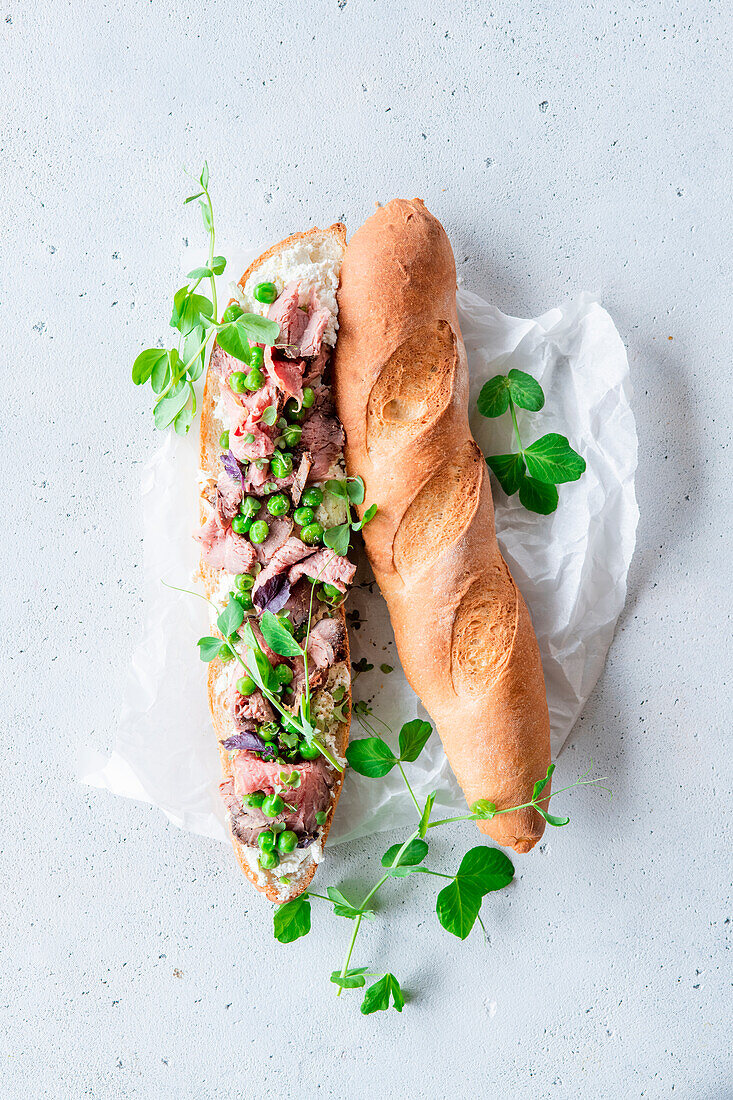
[(463, 632)]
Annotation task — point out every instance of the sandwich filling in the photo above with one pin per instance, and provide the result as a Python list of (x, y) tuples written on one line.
[(280, 487)]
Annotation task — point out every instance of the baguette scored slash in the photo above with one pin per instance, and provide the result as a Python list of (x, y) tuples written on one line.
[(462, 629), (311, 243)]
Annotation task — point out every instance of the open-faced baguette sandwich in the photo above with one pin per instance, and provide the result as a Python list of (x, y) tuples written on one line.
[(271, 455), (463, 631)]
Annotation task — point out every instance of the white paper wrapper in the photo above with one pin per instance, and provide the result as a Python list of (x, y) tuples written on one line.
[(571, 568)]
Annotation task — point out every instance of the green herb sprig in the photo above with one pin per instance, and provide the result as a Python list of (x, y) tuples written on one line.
[(351, 491), (172, 372), (534, 471), (482, 870)]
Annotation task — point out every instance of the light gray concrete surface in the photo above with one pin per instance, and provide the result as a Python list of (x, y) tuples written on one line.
[(565, 146)]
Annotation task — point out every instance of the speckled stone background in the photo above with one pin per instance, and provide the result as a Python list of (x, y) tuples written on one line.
[(565, 146)]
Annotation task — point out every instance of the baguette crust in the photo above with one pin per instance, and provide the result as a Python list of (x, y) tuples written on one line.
[(462, 629), (209, 461)]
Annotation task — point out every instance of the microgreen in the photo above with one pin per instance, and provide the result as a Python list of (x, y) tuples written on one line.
[(377, 996), (172, 372), (533, 471)]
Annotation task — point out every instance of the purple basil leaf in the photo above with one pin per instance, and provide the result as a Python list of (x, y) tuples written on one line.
[(273, 594), (232, 467), (248, 741)]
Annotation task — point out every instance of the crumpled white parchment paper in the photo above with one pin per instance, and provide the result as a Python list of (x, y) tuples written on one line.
[(571, 567)]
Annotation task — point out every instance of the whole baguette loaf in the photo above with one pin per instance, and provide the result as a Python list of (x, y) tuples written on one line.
[(463, 631)]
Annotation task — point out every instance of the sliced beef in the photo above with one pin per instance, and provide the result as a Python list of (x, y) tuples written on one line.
[(323, 436), (279, 533), (316, 679), (310, 343), (299, 601), (223, 364), (286, 374), (255, 478), (250, 708), (317, 366), (273, 576), (228, 488), (221, 548), (312, 796), (328, 566), (251, 441), (301, 477), (325, 642), (291, 319)]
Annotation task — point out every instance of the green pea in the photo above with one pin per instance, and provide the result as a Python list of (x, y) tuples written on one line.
[(308, 752), (278, 505), (231, 313), (265, 292), (241, 525), (245, 598), (224, 441), (332, 592), (249, 507), (266, 839), (289, 725), (259, 531), (309, 398), (255, 799), (293, 410), (253, 380), (285, 621), (312, 497), (246, 685), (287, 841), (281, 464), (273, 805), (269, 731), (304, 516), (225, 653), (292, 434), (269, 859), (256, 356), (283, 674), (238, 381), (311, 534), (244, 582)]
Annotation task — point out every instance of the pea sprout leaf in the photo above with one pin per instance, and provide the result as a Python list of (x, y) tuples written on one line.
[(206, 215), (278, 637), (190, 310), (337, 488), (145, 364), (482, 870), (457, 907), (292, 919), (232, 339), (161, 372), (183, 421), (257, 663), (260, 330), (413, 854), (377, 997), (371, 756), (355, 489), (536, 496), (218, 265), (509, 471), (231, 618), (368, 515), (342, 907), (542, 783), (352, 979), (269, 415), (192, 198), (200, 273), (485, 869), (208, 648), (424, 820), (525, 390), (494, 397), (558, 822), (169, 407), (553, 460), (337, 539), (413, 738), (483, 809), (204, 177)]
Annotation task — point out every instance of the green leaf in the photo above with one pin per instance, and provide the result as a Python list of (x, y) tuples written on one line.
[(260, 330), (371, 756), (352, 979), (355, 489), (218, 265), (386, 669), (259, 667), (192, 198), (161, 373), (483, 809), (183, 422), (168, 409), (494, 397), (232, 339), (553, 460), (146, 362), (192, 342), (368, 515), (204, 177), (337, 538), (342, 907), (413, 738), (542, 783), (485, 870), (538, 497), (269, 415), (413, 854), (278, 637), (321, 817), (377, 996), (425, 819), (206, 215), (509, 470), (200, 273), (208, 648), (189, 310), (337, 489), (178, 299), (558, 822), (231, 618), (457, 907), (525, 391), (292, 919)]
